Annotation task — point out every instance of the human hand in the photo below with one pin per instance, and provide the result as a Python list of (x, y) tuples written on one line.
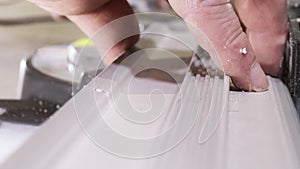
[(218, 29), (215, 25), (91, 15)]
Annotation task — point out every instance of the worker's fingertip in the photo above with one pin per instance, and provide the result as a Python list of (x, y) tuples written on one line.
[(253, 80), (258, 79)]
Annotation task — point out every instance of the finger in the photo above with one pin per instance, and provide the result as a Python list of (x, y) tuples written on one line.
[(70, 7), (266, 22), (218, 30), (163, 4), (92, 16)]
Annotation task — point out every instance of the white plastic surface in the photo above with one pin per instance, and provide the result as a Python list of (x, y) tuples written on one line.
[(12, 137), (66, 142), (256, 130), (259, 130)]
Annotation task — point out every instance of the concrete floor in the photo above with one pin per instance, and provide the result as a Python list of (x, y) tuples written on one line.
[(20, 41)]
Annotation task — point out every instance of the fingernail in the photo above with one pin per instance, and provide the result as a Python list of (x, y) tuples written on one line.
[(259, 81)]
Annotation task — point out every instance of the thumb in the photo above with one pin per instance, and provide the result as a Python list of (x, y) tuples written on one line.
[(218, 30)]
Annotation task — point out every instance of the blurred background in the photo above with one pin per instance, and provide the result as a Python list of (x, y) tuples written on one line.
[(24, 28)]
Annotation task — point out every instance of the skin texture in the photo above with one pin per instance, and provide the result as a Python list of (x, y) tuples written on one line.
[(214, 23), (266, 25), (91, 15), (266, 29)]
